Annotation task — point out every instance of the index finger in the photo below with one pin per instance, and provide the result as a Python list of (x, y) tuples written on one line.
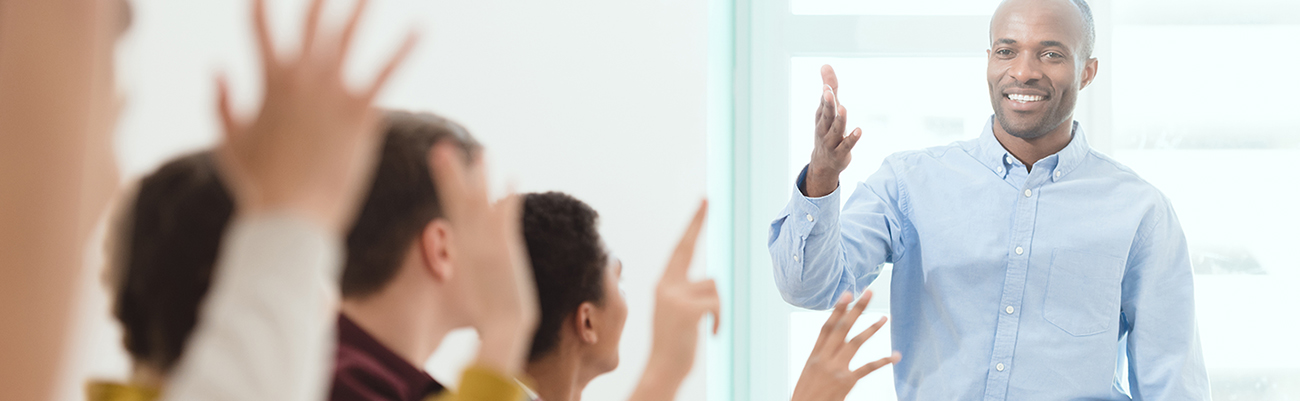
[(681, 260)]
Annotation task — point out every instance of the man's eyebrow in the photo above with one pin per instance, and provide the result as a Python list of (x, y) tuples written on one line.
[(1052, 43), (1005, 41)]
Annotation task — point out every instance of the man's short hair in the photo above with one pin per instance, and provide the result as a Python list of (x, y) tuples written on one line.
[(168, 238), (568, 261), (1089, 28), (401, 202), (167, 246)]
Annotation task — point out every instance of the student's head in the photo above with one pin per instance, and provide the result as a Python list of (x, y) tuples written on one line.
[(1040, 57), (583, 309), (167, 240), (166, 245), (400, 239)]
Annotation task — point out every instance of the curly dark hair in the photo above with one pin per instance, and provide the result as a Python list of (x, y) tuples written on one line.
[(568, 259)]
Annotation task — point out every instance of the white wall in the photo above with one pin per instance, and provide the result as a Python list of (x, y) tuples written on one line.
[(601, 99)]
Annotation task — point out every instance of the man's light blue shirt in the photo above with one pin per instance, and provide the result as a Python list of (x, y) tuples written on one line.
[(1070, 281)]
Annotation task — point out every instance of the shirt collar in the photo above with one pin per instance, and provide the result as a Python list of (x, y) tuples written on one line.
[(991, 153), (418, 384)]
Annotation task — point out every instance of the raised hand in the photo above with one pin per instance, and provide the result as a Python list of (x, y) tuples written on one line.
[(827, 375), (679, 305), (831, 148), (487, 241), (312, 147)]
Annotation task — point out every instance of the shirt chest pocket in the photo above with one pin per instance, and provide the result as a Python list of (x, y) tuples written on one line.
[(1083, 291)]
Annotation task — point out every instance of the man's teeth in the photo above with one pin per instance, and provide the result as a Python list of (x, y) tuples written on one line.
[(1024, 98)]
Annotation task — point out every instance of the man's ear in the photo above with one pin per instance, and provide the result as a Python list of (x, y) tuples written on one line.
[(1089, 73), (435, 252), (585, 322)]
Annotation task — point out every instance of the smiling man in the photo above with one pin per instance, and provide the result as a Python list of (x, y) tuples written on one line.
[(1027, 266)]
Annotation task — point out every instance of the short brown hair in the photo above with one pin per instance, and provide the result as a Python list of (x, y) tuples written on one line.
[(401, 202)]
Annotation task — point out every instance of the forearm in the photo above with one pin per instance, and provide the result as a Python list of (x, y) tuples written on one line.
[(266, 329), (45, 81), (660, 381)]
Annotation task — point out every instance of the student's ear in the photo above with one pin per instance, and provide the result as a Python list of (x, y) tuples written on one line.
[(585, 322), (435, 250)]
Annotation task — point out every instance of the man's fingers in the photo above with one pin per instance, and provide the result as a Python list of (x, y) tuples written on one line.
[(312, 27), (265, 46), (350, 28), (829, 79), (849, 141), (382, 79), (877, 364), (825, 114), (680, 262)]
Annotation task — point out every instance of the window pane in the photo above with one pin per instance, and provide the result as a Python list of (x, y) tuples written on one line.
[(882, 7), (1204, 108)]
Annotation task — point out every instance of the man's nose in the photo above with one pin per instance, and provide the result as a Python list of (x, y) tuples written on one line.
[(1026, 69)]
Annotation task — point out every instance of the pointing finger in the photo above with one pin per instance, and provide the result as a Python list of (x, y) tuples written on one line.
[(680, 262)]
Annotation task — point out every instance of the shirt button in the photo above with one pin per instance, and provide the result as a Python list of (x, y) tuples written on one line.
[(1020, 251), (1058, 174), (810, 218), (1000, 170), (1029, 193), (796, 258), (1000, 367), (1010, 309)]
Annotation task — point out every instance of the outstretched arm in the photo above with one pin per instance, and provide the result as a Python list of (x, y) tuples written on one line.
[(679, 305), (56, 173)]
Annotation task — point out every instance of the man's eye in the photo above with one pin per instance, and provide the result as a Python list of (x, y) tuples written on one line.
[(1053, 55), (1003, 52)]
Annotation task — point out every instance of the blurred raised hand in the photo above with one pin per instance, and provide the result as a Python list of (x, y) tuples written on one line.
[(827, 375), (679, 305), (487, 240), (312, 147)]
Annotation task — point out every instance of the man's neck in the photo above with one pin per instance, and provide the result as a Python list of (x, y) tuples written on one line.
[(558, 376), (1030, 151), (399, 324)]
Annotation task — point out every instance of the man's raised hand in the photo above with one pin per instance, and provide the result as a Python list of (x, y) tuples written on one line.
[(831, 148), (311, 149)]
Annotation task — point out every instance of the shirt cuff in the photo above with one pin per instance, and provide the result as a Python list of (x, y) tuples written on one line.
[(807, 212)]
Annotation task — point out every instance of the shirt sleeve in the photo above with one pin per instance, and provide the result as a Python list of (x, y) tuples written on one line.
[(1164, 346), (819, 252), (483, 384), (266, 330)]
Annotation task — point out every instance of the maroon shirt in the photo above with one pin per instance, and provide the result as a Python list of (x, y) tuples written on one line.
[(365, 370)]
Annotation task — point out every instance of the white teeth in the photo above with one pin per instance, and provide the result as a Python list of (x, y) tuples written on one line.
[(1024, 98)]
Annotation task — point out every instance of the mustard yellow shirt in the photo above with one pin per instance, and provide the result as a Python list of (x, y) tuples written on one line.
[(476, 384)]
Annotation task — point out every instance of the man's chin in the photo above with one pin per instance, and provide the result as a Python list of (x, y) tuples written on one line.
[(1023, 128)]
